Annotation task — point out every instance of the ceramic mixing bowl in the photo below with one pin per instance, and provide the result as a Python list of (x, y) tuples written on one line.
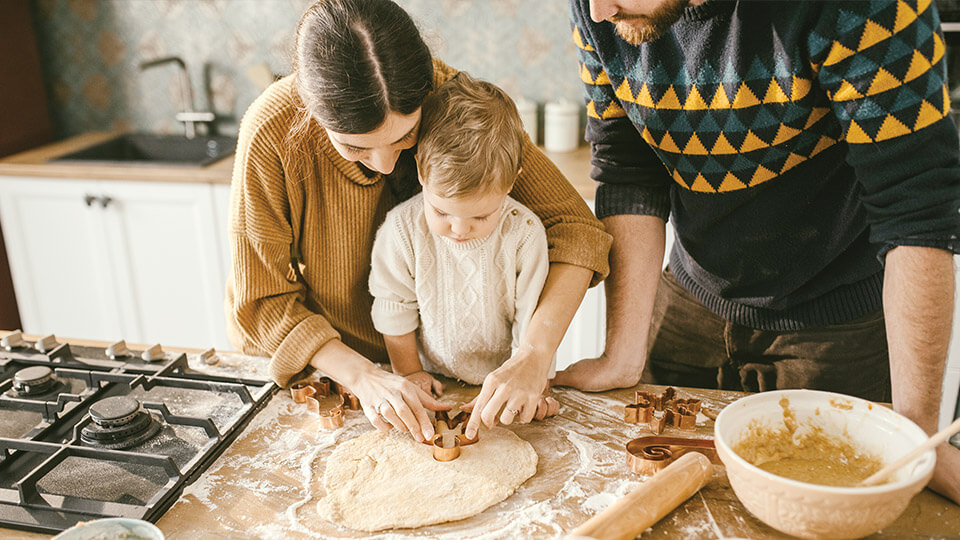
[(816, 511)]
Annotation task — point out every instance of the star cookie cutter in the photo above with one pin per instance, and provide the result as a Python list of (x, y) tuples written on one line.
[(674, 411), (313, 394), (648, 455), (449, 436)]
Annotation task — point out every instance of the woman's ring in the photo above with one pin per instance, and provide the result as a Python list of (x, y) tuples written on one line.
[(380, 406), (514, 411)]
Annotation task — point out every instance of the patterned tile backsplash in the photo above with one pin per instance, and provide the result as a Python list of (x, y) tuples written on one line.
[(92, 49)]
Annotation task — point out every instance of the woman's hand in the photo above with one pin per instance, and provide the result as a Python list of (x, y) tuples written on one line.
[(391, 401), (426, 382), (516, 387)]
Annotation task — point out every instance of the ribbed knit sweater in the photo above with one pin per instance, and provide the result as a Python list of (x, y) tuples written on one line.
[(790, 143), (469, 302), (302, 225)]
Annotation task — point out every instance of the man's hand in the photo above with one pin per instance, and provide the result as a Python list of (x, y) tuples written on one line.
[(598, 374), (516, 387), (946, 475)]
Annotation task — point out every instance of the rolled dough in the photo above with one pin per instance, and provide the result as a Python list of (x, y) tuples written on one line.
[(388, 480)]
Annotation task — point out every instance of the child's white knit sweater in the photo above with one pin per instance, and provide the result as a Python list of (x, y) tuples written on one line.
[(471, 302)]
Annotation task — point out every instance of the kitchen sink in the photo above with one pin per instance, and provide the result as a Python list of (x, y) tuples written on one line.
[(156, 149)]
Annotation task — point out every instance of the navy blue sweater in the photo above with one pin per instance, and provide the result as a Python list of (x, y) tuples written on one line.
[(792, 144)]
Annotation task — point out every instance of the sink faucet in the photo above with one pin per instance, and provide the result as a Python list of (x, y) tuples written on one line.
[(188, 116)]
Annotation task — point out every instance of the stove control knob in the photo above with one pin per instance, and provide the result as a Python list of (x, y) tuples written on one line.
[(153, 353), (209, 356), (13, 340), (46, 344), (118, 349)]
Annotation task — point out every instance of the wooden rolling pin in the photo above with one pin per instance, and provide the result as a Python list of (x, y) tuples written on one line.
[(655, 498)]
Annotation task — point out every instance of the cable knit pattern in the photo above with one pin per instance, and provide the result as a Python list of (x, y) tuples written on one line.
[(470, 301), (300, 243)]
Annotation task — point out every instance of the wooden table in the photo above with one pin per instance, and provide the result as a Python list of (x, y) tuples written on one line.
[(267, 483)]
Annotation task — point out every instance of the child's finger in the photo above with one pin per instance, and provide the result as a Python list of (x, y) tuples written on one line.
[(437, 388)]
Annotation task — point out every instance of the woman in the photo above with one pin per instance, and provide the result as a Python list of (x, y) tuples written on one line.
[(322, 155)]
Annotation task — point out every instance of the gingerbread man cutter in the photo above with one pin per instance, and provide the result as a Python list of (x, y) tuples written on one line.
[(316, 393), (659, 411)]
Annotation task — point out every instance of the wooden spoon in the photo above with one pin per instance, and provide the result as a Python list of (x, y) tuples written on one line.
[(933, 441)]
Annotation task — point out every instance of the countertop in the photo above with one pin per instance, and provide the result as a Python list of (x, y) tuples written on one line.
[(574, 165), (266, 485)]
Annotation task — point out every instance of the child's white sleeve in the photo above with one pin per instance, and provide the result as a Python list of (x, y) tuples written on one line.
[(533, 264), (395, 310)]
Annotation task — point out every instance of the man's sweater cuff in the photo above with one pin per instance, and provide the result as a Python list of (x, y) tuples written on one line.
[(619, 199), (295, 351)]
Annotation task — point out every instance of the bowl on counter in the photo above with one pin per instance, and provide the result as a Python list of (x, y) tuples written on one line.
[(809, 510), (112, 529)]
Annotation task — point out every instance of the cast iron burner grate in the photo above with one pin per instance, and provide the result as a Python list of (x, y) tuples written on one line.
[(87, 433)]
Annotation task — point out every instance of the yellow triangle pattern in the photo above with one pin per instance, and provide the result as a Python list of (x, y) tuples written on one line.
[(695, 147), (922, 6), (723, 146), (592, 110), (761, 175), (775, 94), (700, 184), (905, 16), (846, 92), (720, 100), (928, 115), (837, 53), (792, 161), (623, 92), (602, 79), (784, 134), (938, 48), (946, 101), (800, 88), (695, 101), (856, 134), (644, 98), (891, 128), (578, 41), (883, 81), (752, 142), (585, 74), (614, 110), (815, 115), (731, 183), (667, 144), (669, 100), (824, 143), (918, 66), (873, 33), (744, 98), (679, 179)]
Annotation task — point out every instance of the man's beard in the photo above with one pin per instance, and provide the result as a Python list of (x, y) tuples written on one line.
[(637, 29)]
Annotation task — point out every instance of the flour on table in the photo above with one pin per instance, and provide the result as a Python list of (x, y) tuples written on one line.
[(388, 480)]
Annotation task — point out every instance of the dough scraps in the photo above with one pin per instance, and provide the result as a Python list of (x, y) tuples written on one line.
[(389, 480)]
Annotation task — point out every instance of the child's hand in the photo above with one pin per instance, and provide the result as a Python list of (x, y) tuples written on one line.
[(426, 382)]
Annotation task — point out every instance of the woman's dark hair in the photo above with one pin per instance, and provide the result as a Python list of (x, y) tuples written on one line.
[(357, 60)]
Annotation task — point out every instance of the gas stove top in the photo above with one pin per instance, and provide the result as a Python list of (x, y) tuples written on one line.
[(87, 432)]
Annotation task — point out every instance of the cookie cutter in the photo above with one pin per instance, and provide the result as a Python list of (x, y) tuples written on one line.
[(449, 436), (677, 412), (648, 455), (312, 393)]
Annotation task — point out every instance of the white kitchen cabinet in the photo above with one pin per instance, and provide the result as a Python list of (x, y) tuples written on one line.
[(141, 261)]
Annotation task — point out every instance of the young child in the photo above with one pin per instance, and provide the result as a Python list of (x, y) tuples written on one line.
[(457, 270)]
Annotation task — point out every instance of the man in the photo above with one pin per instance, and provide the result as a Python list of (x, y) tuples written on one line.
[(804, 154)]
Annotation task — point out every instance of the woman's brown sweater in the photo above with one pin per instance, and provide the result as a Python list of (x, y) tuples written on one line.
[(302, 225)]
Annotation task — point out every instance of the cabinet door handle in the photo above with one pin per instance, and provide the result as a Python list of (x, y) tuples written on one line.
[(89, 199), (104, 201)]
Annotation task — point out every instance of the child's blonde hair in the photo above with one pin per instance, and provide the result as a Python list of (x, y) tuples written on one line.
[(471, 138)]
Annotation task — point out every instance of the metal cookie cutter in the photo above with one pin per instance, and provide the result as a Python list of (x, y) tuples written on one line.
[(648, 455), (449, 435), (674, 411), (313, 393)]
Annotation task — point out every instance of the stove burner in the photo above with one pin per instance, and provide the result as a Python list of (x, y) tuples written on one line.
[(119, 422), (35, 381)]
